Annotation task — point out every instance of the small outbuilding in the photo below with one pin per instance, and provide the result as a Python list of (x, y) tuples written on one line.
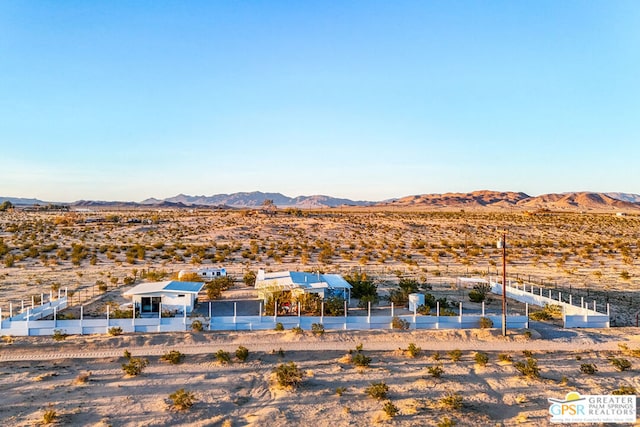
[(152, 297)]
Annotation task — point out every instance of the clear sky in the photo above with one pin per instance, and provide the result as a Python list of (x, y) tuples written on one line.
[(361, 99)]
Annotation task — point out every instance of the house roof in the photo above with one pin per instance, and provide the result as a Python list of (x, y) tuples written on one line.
[(302, 280), (170, 286)]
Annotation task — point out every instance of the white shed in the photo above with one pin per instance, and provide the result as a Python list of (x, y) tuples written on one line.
[(169, 295)]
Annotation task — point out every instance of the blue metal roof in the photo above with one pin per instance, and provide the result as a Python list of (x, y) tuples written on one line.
[(302, 278), (191, 287)]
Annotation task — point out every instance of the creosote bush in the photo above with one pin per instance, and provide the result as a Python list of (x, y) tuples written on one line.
[(412, 350), (455, 355), (317, 329), (588, 368), (361, 360), (481, 358), (59, 335), (134, 365), (504, 357), (486, 323), (377, 390), (114, 331), (223, 357), (279, 327), (529, 368), (624, 390), (398, 323), (451, 401), (435, 371), (182, 399), (288, 375), (242, 353), (390, 409), (620, 364), (49, 416), (197, 326), (446, 422), (297, 330), (174, 357)]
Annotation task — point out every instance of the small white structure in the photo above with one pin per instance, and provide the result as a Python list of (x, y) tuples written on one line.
[(415, 301), (168, 295), (205, 273), (325, 285)]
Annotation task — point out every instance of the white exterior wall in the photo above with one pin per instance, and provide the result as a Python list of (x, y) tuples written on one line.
[(170, 301)]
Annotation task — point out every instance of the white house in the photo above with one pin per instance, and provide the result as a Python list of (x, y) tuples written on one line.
[(325, 285), (168, 295), (205, 273)]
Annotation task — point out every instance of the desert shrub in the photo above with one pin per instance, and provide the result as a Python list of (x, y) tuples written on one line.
[(528, 334), (398, 297), (364, 301), (334, 306), (527, 353), (174, 357), (425, 310), (361, 285), (242, 353), (398, 323), (455, 355), (297, 330), (340, 390), (435, 355), (447, 312), (223, 357), (114, 331), (624, 390), (82, 378), (504, 357), (317, 329), (475, 296), (412, 350), (446, 422), (102, 286), (451, 401), (122, 314), (134, 366), (215, 287), (486, 323), (377, 390), (279, 327), (197, 326), (249, 278), (360, 359), (390, 409), (59, 335), (481, 358), (620, 364), (435, 371), (588, 368), (182, 399), (409, 286), (529, 368), (629, 352), (550, 311), (288, 375), (49, 416)]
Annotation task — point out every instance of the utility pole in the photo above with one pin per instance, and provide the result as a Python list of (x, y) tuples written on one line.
[(503, 243)]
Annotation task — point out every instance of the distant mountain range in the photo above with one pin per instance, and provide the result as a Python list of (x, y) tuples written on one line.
[(489, 200)]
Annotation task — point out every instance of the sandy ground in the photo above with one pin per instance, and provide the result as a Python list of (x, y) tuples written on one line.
[(40, 374)]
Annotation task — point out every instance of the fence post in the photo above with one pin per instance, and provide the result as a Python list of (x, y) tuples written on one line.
[(235, 312), (526, 312), (107, 319), (460, 315), (560, 296), (28, 332), (10, 310), (391, 309), (322, 312), (438, 309), (594, 306), (41, 299), (55, 318), (184, 316), (81, 318), (369, 312), (570, 299)]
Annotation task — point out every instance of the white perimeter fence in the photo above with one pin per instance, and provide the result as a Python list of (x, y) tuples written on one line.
[(574, 316)]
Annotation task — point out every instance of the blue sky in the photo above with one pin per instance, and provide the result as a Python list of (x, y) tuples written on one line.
[(358, 99)]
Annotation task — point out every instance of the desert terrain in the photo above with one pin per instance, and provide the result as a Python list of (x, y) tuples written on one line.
[(92, 253)]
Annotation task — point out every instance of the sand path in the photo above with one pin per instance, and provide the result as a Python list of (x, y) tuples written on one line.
[(548, 339)]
